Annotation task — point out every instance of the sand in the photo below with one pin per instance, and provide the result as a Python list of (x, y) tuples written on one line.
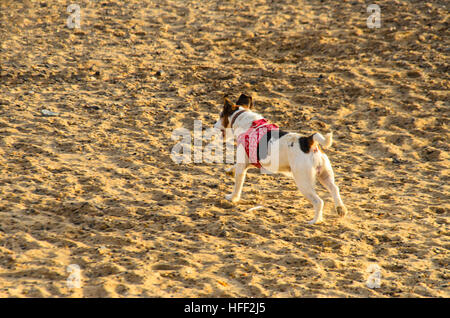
[(94, 186)]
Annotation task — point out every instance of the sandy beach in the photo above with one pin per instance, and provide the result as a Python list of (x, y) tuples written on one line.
[(91, 183)]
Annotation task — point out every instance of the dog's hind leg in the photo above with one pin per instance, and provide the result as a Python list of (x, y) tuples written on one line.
[(304, 179), (326, 178), (308, 191)]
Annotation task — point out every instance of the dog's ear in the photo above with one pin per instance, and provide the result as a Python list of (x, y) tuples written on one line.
[(245, 101), (228, 105)]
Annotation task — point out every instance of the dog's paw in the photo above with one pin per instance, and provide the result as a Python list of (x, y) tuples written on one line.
[(231, 198), (316, 221), (341, 210)]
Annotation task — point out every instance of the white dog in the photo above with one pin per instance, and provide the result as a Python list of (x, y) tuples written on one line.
[(265, 146)]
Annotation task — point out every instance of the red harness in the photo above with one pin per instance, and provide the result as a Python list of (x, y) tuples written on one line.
[(250, 139)]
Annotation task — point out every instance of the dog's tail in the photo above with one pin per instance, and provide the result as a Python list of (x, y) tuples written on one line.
[(326, 141), (308, 143)]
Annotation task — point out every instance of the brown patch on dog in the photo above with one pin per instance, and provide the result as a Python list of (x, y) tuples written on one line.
[(306, 143), (228, 109), (245, 101)]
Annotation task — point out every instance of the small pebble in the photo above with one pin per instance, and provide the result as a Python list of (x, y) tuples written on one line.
[(47, 112), (93, 107)]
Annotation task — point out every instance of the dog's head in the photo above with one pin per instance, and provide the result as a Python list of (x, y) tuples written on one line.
[(229, 109)]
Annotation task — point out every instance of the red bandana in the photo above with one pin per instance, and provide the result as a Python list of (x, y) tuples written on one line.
[(250, 139)]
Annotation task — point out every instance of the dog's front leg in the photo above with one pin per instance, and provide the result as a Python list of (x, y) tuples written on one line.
[(240, 171)]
